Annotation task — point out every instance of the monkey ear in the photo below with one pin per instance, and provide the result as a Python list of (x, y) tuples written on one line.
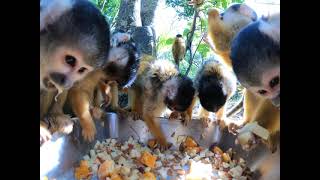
[(51, 10), (247, 11), (270, 25)]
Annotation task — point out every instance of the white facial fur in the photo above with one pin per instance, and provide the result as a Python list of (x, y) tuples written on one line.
[(230, 83), (119, 55), (119, 37), (170, 88), (52, 10), (272, 27), (266, 77)]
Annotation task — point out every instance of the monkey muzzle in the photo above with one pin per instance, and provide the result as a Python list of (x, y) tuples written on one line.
[(60, 80)]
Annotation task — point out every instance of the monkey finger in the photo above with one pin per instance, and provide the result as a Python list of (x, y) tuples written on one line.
[(174, 115), (233, 128), (88, 133), (45, 135), (205, 121)]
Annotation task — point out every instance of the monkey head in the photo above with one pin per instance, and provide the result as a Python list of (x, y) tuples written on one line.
[(211, 93), (74, 40), (255, 54), (215, 84), (123, 60), (222, 27), (178, 93)]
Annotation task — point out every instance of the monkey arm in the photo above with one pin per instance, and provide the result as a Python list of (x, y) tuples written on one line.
[(152, 110), (115, 95), (250, 103), (46, 99), (204, 117), (80, 103), (221, 113), (187, 115)]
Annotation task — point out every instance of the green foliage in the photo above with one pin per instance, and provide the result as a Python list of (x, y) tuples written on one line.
[(109, 8)]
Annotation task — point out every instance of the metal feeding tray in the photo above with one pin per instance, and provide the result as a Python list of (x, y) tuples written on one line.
[(59, 156)]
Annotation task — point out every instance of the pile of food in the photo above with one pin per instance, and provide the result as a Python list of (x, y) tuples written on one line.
[(132, 160)]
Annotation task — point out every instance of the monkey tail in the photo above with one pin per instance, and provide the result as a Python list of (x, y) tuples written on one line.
[(236, 108)]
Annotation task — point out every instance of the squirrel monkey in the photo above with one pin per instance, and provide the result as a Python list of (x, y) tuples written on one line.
[(159, 85), (223, 27), (68, 52), (255, 54), (178, 49), (86, 95), (214, 84)]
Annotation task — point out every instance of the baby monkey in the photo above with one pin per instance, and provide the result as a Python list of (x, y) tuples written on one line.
[(255, 54), (159, 85), (223, 27), (86, 95), (214, 84)]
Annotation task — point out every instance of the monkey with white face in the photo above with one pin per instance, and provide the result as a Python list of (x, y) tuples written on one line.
[(255, 54), (74, 40)]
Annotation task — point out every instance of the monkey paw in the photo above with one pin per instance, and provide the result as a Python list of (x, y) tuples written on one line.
[(205, 121), (164, 146), (96, 113), (251, 144), (45, 135), (89, 132), (233, 128), (61, 123), (135, 116), (174, 115), (186, 119)]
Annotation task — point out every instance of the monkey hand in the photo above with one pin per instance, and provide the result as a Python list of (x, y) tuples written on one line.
[(205, 121), (174, 115), (272, 143), (186, 119), (61, 123), (89, 131), (135, 116), (164, 145), (251, 141), (96, 113), (45, 135), (220, 122), (233, 128)]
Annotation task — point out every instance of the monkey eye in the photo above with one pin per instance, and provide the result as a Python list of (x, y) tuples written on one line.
[(221, 16), (262, 92), (275, 81), (81, 70), (70, 60)]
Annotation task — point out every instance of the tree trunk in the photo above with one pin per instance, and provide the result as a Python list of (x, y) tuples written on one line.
[(137, 16), (129, 15), (147, 13), (144, 38)]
